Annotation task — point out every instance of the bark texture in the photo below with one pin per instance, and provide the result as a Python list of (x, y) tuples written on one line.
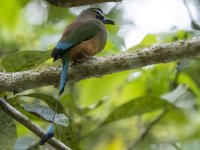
[(73, 3), (162, 53)]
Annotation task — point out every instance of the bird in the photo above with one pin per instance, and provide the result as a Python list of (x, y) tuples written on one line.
[(82, 39)]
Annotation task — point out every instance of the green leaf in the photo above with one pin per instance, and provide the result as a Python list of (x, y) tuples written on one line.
[(67, 135), (137, 107), (70, 104), (24, 60), (9, 13), (151, 39), (189, 75), (91, 90), (63, 128), (192, 144), (83, 110), (8, 133), (167, 37), (148, 40), (51, 101), (194, 71), (25, 142), (46, 113), (182, 97), (190, 83), (185, 64)]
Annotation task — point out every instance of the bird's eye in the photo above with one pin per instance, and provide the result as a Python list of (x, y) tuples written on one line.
[(99, 16)]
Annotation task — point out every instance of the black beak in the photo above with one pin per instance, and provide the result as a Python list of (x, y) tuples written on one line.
[(107, 21)]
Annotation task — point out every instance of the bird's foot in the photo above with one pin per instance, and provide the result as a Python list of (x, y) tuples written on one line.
[(87, 57), (92, 58), (77, 62)]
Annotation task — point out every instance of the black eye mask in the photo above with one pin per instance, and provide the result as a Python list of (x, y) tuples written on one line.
[(100, 17)]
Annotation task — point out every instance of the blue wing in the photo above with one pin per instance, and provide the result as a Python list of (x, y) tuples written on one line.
[(63, 45), (60, 48)]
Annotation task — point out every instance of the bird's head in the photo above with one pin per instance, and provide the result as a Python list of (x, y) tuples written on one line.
[(98, 14)]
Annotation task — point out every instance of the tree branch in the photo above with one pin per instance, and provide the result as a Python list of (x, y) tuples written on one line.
[(18, 116), (161, 53), (73, 3)]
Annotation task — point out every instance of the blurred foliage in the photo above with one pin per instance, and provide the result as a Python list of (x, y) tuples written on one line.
[(24, 60), (151, 39), (8, 134), (46, 113), (25, 142), (137, 106), (108, 113)]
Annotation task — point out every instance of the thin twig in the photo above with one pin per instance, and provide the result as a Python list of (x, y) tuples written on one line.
[(18, 116)]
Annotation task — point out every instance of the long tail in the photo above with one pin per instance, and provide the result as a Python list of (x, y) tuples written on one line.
[(64, 73), (63, 78)]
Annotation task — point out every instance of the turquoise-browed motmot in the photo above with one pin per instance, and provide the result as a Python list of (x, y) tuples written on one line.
[(83, 38)]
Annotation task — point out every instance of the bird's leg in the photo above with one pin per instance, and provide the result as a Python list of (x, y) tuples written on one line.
[(86, 56), (77, 62)]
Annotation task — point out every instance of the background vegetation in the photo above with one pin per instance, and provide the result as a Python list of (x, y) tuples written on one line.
[(155, 107)]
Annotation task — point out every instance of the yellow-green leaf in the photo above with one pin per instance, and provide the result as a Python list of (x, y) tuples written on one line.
[(24, 60)]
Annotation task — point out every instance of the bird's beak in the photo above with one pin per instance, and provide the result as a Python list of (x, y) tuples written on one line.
[(107, 21)]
